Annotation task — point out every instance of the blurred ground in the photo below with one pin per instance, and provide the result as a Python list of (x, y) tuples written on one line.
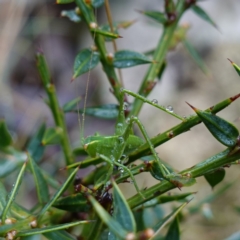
[(30, 25)]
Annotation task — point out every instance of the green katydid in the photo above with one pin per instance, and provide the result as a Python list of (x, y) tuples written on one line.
[(115, 149)]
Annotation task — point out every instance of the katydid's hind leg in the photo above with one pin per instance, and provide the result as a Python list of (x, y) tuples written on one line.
[(124, 168), (104, 179), (177, 179), (166, 174)]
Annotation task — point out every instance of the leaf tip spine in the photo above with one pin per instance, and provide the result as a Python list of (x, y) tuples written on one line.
[(195, 109), (234, 97)]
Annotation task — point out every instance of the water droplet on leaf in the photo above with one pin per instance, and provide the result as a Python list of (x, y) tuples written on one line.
[(169, 108), (125, 106), (121, 140), (154, 101), (128, 120)]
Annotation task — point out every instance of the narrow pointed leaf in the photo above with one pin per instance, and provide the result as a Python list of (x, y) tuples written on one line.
[(57, 194), (17, 226), (52, 136), (35, 147), (236, 67), (125, 59), (107, 111), (73, 203), (3, 196), (211, 197), (50, 228), (11, 161), (207, 211), (106, 34), (71, 105), (173, 231), (64, 1), (57, 235), (196, 57), (13, 193), (157, 228), (202, 14), (168, 198), (72, 15), (112, 224), (234, 236), (122, 213), (223, 131), (5, 137), (216, 177), (85, 61), (40, 183), (97, 3), (155, 15)]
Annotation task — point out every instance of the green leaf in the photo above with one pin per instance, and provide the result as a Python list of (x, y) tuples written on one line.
[(85, 61), (202, 14), (152, 215), (158, 227), (106, 111), (156, 171), (195, 56), (104, 33), (57, 194), (122, 213), (34, 231), (236, 67), (35, 147), (216, 177), (107, 28), (168, 198), (234, 236), (207, 211), (155, 15), (5, 136), (60, 234), (173, 231), (64, 1), (3, 196), (71, 105), (97, 3), (112, 224), (125, 59), (11, 161), (72, 15), (73, 203), (223, 131), (52, 136), (13, 193), (41, 185), (17, 226), (34, 237)]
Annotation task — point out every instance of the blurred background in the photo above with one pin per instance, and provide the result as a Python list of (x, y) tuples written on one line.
[(27, 26)]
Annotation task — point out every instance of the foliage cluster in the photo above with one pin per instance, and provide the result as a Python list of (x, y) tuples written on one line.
[(94, 206)]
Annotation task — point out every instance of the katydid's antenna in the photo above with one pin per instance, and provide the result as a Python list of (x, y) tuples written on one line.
[(109, 17), (81, 125)]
